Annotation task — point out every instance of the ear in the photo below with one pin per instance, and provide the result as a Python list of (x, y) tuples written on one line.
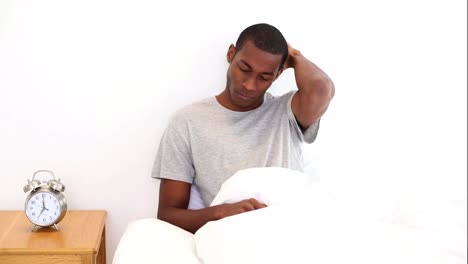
[(231, 52)]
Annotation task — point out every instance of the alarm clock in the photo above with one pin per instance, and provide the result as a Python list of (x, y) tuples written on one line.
[(45, 204)]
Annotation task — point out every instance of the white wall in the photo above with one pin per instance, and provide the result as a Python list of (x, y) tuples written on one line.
[(86, 88)]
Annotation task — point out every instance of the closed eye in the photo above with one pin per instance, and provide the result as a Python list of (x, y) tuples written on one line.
[(243, 66), (243, 69)]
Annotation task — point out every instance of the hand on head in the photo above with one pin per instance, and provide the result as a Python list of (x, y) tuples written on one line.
[(292, 52)]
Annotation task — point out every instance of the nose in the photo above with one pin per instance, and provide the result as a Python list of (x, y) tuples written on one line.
[(249, 84)]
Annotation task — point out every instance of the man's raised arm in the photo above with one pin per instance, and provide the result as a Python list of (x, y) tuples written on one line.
[(315, 89)]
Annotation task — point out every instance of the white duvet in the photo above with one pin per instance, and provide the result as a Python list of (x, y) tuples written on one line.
[(303, 223)]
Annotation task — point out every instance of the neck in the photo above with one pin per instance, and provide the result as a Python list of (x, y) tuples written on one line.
[(224, 99)]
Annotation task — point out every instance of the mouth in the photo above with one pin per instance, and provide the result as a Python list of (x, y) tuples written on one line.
[(243, 97)]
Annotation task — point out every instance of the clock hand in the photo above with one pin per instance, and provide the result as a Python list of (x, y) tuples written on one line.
[(43, 204), (43, 209)]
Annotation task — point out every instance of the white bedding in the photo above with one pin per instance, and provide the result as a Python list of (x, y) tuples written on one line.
[(304, 224)]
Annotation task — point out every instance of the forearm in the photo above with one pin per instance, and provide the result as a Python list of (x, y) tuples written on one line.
[(190, 220)]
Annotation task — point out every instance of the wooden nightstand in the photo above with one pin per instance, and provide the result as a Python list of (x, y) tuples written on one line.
[(80, 240)]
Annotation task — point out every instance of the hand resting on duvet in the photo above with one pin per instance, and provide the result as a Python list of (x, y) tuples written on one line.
[(174, 198)]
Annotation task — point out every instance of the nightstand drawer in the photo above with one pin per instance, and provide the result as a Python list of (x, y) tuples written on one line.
[(79, 240), (41, 259)]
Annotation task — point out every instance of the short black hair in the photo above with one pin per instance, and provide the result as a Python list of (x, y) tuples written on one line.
[(265, 37)]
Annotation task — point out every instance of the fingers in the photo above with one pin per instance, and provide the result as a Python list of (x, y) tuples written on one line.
[(256, 204), (243, 206), (251, 204)]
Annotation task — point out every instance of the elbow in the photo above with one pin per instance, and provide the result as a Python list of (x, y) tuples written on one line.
[(162, 214), (326, 87), (331, 89), (322, 87)]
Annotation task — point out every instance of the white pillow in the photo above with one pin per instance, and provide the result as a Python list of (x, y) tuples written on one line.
[(271, 186), (305, 224), (280, 235), (149, 240)]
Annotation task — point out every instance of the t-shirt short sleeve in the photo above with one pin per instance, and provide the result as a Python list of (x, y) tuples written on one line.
[(174, 160), (307, 135)]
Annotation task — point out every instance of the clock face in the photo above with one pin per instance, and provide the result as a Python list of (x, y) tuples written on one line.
[(43, 208)]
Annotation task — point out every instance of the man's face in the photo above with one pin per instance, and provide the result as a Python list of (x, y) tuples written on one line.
[(250, 74)]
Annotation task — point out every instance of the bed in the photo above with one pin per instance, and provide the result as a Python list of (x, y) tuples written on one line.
[(303, 223)]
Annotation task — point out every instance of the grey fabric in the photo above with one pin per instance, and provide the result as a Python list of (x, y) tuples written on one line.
[(205, 143)]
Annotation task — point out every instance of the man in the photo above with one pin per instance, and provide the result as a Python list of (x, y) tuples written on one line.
[(207, 142)]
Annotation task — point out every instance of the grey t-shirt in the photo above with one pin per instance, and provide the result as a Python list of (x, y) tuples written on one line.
[(206, 143)]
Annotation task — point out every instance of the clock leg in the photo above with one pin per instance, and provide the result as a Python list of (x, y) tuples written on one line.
[(56, 227)]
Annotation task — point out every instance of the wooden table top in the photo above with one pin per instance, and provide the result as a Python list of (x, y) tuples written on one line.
[(79, 232)]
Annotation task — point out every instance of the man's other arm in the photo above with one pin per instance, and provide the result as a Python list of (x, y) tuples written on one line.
[(174, 198)]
